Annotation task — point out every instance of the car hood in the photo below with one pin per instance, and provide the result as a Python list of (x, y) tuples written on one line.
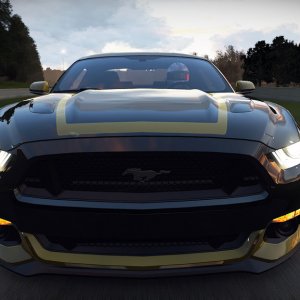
[(143, 112)]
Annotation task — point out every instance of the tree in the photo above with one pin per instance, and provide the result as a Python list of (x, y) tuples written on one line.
[(284, 57), (297, 65), (257, 64), (25, 62), (5, 16), (230, 63), (19, 58), (279, 62), (52, 75)]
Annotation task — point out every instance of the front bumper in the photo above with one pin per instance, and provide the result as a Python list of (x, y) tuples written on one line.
[(255, 255), (185, 219)]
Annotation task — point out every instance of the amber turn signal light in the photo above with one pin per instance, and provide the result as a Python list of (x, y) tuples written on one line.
[(4, 222), (287, 217)]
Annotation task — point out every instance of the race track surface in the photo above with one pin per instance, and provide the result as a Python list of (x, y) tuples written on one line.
[(13, 93), (280, 93)]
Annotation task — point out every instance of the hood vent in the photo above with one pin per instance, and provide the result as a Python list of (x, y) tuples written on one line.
[(241, 107)]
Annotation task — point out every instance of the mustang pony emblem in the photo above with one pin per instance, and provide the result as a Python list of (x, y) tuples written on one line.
[(143, 175)]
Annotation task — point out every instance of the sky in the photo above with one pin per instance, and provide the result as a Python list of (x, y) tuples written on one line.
[(65, 30)]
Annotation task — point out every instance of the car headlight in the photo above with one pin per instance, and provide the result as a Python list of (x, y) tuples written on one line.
[(4, 159), (288, 157)]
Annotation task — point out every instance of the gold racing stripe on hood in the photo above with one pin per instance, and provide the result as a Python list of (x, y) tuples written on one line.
[(63, 128)]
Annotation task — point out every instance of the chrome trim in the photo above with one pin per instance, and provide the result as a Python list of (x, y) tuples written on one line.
[(141, 206)]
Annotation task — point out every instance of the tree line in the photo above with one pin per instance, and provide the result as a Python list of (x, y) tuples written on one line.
[(19, 58), (278, 62)]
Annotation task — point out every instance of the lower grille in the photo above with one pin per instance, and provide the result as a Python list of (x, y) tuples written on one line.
[(203, 244), (144, 172)]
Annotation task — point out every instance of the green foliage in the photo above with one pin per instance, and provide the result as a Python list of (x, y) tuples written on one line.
[(5, 14), (277, 62), (257, 63), (13, 85), (13, 100), (19, 58), (230, 64)]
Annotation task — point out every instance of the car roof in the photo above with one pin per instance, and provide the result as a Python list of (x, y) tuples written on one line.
[(141, 54)]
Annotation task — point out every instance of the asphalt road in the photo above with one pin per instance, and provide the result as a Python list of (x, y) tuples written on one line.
[(12, 93), (281, 93), (280, 283)]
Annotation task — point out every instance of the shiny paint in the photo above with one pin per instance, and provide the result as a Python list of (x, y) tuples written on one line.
[(141, 111), (189, 113)]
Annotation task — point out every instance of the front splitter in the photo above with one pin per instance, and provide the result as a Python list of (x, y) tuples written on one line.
[(255, 255)]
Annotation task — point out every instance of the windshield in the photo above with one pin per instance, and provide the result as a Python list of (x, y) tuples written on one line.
[(142, 71)]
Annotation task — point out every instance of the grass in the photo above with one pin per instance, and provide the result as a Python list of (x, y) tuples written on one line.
[(13, 100), (13, 85)]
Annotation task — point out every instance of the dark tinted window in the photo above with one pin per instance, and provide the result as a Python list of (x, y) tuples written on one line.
[(141, 71)]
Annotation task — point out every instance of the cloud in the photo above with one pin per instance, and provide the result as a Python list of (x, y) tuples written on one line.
[(95, 27), (245, 39)]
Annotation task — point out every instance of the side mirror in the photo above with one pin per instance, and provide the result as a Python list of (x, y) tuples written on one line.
[(244, 87), (39, 88)]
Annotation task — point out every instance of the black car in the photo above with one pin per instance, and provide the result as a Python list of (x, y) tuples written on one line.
[(147, 164)]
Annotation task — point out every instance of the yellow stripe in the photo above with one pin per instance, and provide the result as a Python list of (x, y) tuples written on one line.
[(141, 261), (63, 128), (271, 252)]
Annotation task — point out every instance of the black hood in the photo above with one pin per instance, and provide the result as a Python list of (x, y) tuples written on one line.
[(145, 112)]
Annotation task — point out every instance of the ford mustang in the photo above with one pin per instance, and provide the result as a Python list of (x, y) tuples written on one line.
[(147, 164)]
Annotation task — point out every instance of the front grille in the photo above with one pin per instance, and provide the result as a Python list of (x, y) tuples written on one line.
[(144, 172), (150, 247)]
